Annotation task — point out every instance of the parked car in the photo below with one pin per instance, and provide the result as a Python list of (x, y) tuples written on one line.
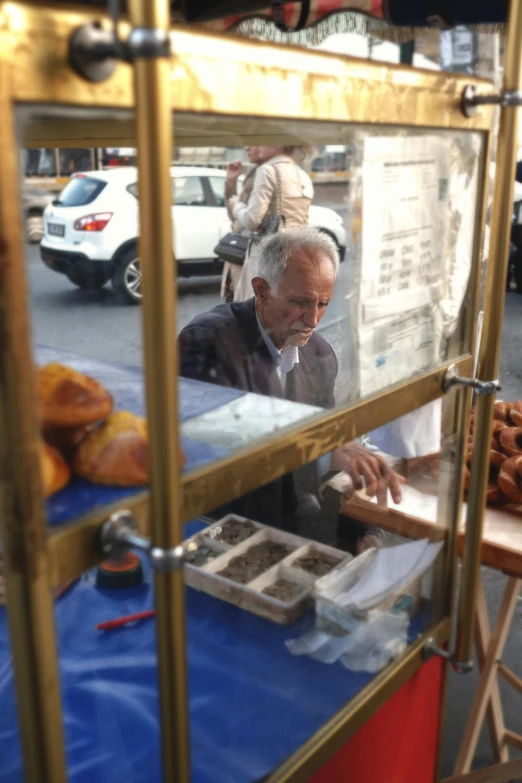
[(91, 229), (35, 201)]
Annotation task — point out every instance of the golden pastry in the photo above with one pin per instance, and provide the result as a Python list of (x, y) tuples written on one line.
[(116, 452), (66, 439), (70, 399), (55, 470)]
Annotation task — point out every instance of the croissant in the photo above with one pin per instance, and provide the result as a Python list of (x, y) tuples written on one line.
[(69, 398), (116, 452), (55, 471)]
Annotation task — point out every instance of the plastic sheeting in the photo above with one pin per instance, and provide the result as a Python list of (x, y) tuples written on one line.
[(251, 702)]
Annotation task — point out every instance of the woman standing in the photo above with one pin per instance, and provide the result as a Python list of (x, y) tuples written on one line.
[(232, 272), (280, 188)]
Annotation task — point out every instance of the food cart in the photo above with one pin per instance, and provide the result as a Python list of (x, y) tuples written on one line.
[(209, 690)]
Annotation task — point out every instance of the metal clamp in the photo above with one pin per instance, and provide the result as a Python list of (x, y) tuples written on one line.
[(431, 649), (95, 51), (148, 42), (471, 99), (451, 379), (120, 533)]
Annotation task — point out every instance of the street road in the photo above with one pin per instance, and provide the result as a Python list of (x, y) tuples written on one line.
[(95, 324)]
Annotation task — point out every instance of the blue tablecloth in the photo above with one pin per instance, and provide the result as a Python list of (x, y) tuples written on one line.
[(251, 702), (127, 387)]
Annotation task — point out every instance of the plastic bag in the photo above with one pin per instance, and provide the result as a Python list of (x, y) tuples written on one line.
[(370, 647)]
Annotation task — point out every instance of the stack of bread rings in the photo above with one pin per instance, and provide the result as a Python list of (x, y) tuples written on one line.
[(81, 432), (505, 456)]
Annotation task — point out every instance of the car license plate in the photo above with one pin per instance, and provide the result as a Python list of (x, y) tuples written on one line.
[(56, 229)]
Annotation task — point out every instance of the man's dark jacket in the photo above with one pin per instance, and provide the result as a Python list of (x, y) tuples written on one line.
[(225, 346)]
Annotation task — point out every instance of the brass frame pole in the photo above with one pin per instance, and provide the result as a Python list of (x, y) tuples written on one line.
[(22, 519), (154, 135), (487, 369)]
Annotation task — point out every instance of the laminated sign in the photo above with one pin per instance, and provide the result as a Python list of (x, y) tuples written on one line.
[(405, 234)]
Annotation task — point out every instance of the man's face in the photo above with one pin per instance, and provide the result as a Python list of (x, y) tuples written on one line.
[(291, 315)]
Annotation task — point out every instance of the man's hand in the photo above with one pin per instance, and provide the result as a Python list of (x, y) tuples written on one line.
[(234, 170), (368, 541), (368, 470)]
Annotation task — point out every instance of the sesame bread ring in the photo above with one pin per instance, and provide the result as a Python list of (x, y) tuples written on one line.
[(501, 410), (496, 459), (496, 428), (493, 444), (510, 478), (467, 468), (515, 413), (511, 441), (494, 494)]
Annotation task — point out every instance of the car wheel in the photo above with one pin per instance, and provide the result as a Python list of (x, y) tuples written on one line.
[(334, 240), (126, 280), (517, 270), (34, 228)]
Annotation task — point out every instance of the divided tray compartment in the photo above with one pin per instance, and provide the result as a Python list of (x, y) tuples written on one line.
[(282, 612), (216, 547), (312, 547), (209, 534)]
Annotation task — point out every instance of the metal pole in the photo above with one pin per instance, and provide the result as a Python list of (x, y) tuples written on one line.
[(491, 334), (30, 606), (154, 134)]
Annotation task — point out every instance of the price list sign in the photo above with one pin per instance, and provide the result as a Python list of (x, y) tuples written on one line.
[(405, 224)]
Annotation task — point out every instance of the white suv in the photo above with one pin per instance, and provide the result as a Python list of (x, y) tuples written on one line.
[(91, 229)]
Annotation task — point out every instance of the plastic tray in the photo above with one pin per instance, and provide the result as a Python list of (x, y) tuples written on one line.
[(250, 596)]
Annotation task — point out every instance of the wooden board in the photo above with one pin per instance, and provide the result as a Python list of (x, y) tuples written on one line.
[(415, 517)]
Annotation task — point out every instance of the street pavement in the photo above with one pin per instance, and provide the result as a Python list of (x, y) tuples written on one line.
[(97, 325)]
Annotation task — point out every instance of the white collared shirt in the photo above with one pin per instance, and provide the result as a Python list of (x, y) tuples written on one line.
[(284, 359)]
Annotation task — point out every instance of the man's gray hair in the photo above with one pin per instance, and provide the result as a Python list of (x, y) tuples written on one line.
[(277, 249)]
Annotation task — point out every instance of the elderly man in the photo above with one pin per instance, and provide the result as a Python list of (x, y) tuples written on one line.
[(269, 345)]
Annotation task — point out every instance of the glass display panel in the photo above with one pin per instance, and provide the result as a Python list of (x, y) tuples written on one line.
[(360, 247), (359, 242), (276, 645)]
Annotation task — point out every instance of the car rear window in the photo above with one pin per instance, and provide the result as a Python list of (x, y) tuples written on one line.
[(80, 191), (186, 191)]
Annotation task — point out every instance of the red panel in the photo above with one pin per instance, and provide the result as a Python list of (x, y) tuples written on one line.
[(399, 743)]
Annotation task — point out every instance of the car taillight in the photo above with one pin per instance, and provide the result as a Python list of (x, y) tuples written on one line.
[(93, 222)]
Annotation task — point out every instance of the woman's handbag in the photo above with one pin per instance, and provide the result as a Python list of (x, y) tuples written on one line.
[(273, 222), (232, 248)]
